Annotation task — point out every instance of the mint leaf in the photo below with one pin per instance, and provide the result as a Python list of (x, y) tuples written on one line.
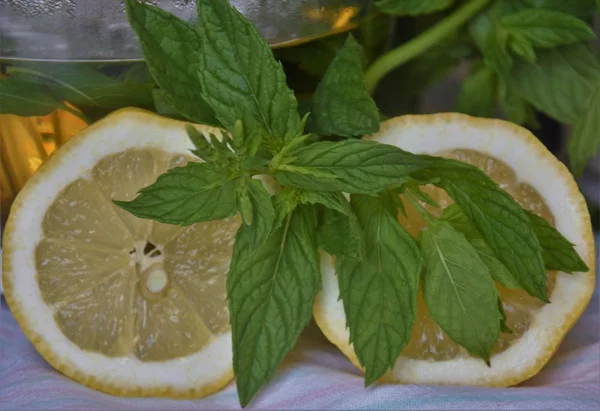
[(263, 214), (163, 106), (521, 46), (339, 232), (23, 98), (271, 289), (562, 81), (498, 270), (241, 79), (352, 166), (85, 86), (585, 141), (500, 220), (341, 104), (494, 41), (334, 201), (413, 7), (458, 290), (478, 93), (459, 220), (380, 292), (546, 28), (559, 253), (284, 202), (499, 60), (584, 9), (186, 195), (171, 49)]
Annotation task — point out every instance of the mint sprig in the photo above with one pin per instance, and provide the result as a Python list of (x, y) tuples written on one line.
[(274, 273), (270, 290), (379, 292)]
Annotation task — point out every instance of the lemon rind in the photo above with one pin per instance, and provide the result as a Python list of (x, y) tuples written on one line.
[(335, 328), (18, 300)]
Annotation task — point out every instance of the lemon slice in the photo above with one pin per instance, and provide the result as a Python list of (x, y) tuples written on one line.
[(123, 305), (520, 164)]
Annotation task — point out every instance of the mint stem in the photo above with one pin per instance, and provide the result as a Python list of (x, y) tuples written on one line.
[(420, 44)]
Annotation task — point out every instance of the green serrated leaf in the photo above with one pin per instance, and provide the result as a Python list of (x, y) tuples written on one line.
[(85, 86), (186, 195), (163, 106), (339, 232), (284, 202), (496, 54), (23, 98), (458, 290), (270, 290), (478, 93), (559, 253), (500, 220), (521, 46), (351, 166), (562, 81), (498, 270), (341, 104), (413, 7), (240, 77), (547, 28), (583, 9), (172, 51), (263, 213), (459, 220), (584, 143), (499, 60), (380, 292), (514, 106)]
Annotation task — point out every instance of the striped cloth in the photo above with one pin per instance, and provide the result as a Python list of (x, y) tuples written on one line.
[(316, 376)]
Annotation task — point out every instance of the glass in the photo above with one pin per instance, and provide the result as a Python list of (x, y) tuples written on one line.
[(25, 142), (93, 30), (43, 36)]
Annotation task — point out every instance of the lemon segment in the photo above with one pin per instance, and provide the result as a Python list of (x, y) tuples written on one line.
[(121, 175), (514, 158), (124, 305)]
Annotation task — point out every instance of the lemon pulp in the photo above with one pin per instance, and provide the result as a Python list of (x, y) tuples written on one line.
[(428, 341), (119, 285)]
